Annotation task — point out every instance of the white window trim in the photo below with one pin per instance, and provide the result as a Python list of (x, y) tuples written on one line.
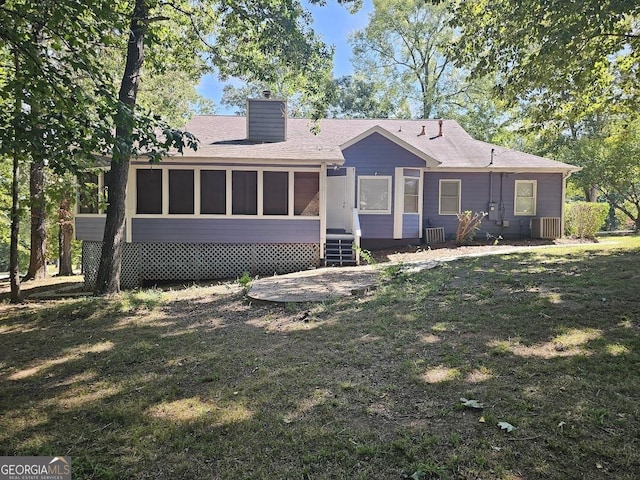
[(449, 180), (387, 211), (197, 187), (535, 198), (404, 195), (399, 213)]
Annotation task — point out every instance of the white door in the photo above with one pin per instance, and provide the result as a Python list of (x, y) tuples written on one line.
[(338, 211)]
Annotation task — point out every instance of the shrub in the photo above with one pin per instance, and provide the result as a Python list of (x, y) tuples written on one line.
[(468, 225), (245, 280), (585, 219)]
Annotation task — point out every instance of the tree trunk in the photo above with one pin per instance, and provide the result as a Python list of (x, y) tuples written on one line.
[(37, 259), (65, 218), (14, 272), (108, 278), (591, 194)]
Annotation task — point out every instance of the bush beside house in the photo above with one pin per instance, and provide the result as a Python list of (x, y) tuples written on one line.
[(585, 219)]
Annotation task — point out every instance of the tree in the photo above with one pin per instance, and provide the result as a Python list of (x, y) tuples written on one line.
[(61, 191), (37, 201), (611, 165), (357, 97), (484, 116), (254, 40), (173, 96), (51, 77), (406, 43), (108, 279), (233, 96), (560, 56)]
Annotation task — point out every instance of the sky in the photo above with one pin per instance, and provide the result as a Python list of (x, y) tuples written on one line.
[(332, 22)]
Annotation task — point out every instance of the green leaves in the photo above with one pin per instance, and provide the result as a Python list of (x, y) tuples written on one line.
[(544, 51)]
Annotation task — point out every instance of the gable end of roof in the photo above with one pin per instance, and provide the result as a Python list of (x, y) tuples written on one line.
[(430, 161)]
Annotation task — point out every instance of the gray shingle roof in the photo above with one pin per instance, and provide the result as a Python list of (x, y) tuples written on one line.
[(224, 138)]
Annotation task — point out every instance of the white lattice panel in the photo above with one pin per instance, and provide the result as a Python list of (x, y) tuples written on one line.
[(90, 262), (224, 261), (130, 274), (130, 269), (192, 261), (169, 261)]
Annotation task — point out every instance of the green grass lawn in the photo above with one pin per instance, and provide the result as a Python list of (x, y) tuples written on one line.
[(199, 383)]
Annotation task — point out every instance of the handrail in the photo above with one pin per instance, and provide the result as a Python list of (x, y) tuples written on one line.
[(357, 233)]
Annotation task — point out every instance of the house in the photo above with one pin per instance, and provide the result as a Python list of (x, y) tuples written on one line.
[(264, 194)]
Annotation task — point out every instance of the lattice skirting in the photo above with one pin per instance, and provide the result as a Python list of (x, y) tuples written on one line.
[(199, 261)]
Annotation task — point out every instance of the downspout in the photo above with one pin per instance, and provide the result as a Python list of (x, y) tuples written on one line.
[(565, 177), (491, 206), (501, 205)]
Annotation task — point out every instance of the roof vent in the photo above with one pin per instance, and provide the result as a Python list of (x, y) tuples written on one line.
[(266, 93), (440, 122), (423, 132)]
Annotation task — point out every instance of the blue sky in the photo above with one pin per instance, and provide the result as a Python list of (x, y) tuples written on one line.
[(333, 23)]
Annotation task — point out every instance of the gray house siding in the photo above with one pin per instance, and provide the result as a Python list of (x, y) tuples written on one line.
[(376, 155), (90, 228), (266, 120), (475, 196), (376, 226), (410, 225), (237, 230)]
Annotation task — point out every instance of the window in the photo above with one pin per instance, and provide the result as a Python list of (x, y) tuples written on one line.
[(306, 194), (275, 197), (181, 191), (525, 197), (411, 188), (374, 194), (213, 192), (450, 197), (148, 191), (244, 193)]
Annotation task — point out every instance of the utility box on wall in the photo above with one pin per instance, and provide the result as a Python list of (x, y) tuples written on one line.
[(492, 210)]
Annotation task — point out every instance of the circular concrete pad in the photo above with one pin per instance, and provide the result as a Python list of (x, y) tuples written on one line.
[(314, 285)]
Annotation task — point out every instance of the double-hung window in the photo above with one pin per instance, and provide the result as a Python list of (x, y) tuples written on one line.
[(525, 197), (449, 197), (411, 194)]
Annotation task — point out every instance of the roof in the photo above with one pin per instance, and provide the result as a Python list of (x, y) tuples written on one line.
[(224, 138)]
